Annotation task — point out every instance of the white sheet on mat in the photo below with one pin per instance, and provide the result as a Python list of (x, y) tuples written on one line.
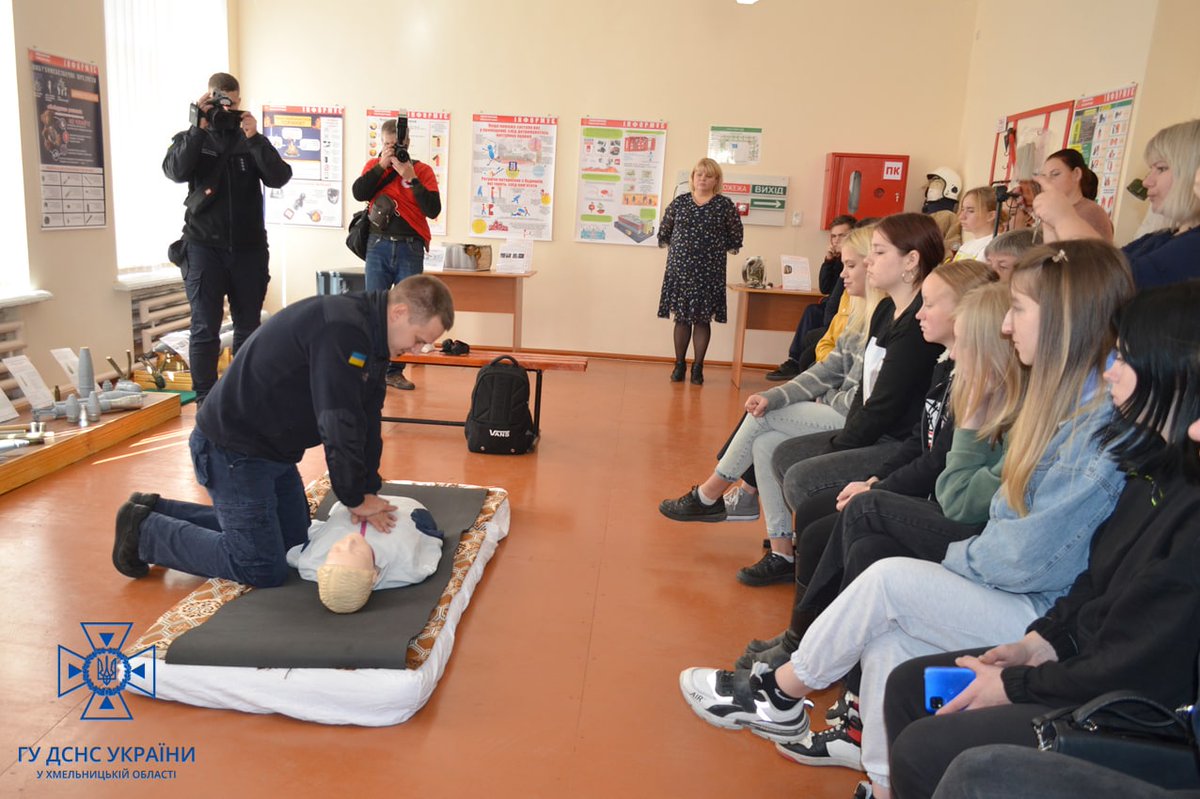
[(366, 697)]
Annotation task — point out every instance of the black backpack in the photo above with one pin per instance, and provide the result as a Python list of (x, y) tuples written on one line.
[(499, 422)]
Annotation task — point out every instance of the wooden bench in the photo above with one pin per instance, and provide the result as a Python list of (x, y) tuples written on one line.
[(530, 362)]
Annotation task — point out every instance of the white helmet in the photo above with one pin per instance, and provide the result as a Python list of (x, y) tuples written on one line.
[(952, 187)]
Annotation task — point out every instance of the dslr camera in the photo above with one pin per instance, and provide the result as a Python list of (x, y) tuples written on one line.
[(220, 116), (400, 150)]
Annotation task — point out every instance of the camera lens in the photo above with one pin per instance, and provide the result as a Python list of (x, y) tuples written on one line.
[(936, 702)]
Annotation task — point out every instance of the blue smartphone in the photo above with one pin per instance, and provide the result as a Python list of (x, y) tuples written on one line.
[(943, 683)]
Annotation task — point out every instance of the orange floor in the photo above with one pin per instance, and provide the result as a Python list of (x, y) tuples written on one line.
[(563, 681)]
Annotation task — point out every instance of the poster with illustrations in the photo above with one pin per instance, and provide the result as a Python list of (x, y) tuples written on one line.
[(620, 181), (512, 176), (429, 143), (1100, 130), (735, 145), (70, 141), (309, 138)]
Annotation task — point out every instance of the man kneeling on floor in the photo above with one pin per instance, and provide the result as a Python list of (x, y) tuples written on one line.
[(348, 560), (312, 374)]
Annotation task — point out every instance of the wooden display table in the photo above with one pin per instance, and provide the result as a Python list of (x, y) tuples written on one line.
[(74, 442), (482, 292), (765, 309)]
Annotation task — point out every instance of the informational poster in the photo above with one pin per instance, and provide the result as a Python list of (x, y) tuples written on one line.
[(429, 143), (71, 141), (620, 181), (735, 145), (309, 138), (760, 199), (1100, 130), (512, 176)]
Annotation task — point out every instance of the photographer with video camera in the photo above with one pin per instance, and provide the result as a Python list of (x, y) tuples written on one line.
[(223, 159), (402, 194)]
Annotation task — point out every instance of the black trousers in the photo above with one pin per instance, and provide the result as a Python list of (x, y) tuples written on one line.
[(210, 275), (922, 746)]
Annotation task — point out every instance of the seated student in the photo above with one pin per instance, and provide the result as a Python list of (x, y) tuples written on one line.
[(818, 399), (1003, 252), (1132, 620), (348, 559), (1058, 486), (1067, 172), (1167, 256), (917, 511), (897, 368), (816, 318), (977, 213)]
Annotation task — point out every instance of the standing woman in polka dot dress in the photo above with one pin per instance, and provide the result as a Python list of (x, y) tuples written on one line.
[(700, 228)]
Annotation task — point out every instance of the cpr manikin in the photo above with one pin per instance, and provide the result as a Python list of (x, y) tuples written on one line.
[(348, 560)]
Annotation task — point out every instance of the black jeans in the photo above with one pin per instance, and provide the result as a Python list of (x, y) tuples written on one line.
[(210, 275), (922, 746)]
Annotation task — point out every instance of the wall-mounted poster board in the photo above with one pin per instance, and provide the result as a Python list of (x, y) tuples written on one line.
[(1100, 131)]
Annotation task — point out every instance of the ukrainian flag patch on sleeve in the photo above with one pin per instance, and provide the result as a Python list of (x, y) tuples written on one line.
[(357, 359)]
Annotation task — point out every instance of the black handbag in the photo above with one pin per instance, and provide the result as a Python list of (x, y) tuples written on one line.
[(360, 225), (1128, 733)]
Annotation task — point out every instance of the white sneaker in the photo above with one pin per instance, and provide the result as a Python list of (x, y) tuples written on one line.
[(740, 505), (736, 700)]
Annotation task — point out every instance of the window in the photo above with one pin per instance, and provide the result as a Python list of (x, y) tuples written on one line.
[(160, 55), (14, 267)]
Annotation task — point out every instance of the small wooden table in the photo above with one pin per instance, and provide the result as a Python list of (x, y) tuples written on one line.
[(765, 309), (482, 292)]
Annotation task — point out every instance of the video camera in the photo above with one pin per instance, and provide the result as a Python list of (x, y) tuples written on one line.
[(401, 137), (219, 115)]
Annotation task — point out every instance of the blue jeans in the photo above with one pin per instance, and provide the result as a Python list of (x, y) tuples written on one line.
[(259, 512), (210, 275), (389, 262)]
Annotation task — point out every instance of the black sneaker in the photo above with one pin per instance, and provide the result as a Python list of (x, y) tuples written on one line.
[(772, 568), (836, 746), (677, 374), (126, 538), (689, 508), (786, 371), (774, 656)]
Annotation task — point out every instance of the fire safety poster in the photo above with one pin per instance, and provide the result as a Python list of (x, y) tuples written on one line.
[(620, 181), (309, 139), (512, 176), (428, 142), (71, 141), (1100, 131)]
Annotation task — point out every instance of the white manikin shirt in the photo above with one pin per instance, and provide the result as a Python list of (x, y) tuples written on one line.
[(406, 555)]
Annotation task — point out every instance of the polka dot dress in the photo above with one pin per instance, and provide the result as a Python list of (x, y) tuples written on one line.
[(699, 237)]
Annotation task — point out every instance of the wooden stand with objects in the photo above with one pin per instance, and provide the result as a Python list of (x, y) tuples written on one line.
[(530, 362), (74, 442), (765, 309)]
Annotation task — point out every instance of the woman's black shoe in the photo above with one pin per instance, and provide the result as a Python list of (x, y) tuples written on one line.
[(697, 374), (678, 372)]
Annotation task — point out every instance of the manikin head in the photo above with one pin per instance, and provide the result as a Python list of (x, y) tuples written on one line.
[(346, 579)]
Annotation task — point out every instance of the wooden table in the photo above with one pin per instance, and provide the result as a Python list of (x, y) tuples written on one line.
[(765, 309), (482, 292)]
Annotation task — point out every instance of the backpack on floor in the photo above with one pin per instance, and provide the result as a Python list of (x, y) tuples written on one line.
[(499, 422)]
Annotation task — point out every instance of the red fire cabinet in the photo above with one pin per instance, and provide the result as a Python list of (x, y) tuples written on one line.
[(863, 185)]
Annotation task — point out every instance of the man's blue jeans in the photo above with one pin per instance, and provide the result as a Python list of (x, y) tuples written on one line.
[(259, 512), (389, 262)]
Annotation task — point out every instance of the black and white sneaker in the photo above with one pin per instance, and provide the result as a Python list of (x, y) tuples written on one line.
[(836, 746), (772, 568), (841, 710), (738, 700), (863, 790), (689, 508)]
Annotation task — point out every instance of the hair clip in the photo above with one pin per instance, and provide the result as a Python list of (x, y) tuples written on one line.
[(1059, 257)]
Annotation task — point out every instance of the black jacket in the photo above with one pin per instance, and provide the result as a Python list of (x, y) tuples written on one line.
[(234, 218), (1131, 621), (915, 467), (312, 374), (899, 392)]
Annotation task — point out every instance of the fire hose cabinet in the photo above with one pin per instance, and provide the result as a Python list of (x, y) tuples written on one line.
[(863, 185)]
